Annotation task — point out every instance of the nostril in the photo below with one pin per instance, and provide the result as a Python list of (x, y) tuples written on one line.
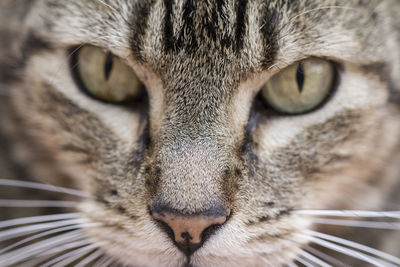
[(187, 247), (186, 236), (189, 232)]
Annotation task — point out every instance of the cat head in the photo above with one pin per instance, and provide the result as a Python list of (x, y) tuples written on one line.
[(231, 116)]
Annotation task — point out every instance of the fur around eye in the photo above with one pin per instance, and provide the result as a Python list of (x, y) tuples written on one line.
[(210, 164), (105, 76), (301, 87)]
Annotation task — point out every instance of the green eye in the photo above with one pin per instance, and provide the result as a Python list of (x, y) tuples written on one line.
[(300, 87), (105, 77)]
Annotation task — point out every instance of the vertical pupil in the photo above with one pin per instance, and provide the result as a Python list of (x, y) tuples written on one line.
[(300, 77), (108, 65)]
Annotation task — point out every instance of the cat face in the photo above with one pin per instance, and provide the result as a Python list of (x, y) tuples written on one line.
[(202, 169)]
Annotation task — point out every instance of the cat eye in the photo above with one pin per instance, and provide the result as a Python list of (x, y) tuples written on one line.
[(301, 87), (105, 76)]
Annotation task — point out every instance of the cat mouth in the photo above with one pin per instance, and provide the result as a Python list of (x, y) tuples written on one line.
[(212, 248), (95, 236)]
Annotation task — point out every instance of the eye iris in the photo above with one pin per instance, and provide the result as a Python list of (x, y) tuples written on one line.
[(108, 66), (105, 77), (300, 87), (300, 77)]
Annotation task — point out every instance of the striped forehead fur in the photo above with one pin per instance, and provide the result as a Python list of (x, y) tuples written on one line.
[(203, 141)]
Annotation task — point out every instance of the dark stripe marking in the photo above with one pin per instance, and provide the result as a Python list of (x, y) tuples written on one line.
[(168, 30), (139, 27), (240, 24), (188, 12), (10, 68), (269, 23)]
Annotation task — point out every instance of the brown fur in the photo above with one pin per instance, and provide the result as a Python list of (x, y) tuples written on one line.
[(203, 140)]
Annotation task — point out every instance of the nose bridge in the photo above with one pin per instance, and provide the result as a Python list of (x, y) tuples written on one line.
[(191, 176), (197, 89), (190, 203), (193, 138)]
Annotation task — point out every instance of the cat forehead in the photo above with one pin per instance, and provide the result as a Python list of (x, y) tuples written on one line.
[(251, 30)]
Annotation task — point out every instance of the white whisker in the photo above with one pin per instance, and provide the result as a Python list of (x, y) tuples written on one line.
[(107, 5), (50, 232), (320, 8), (79, 242), (75, 243), (17, 203), (45, 187), (45, 255), (103, 261), (358, 246), (78, 254), (314, 259), (24, 253), (24, 230), (99, 260), (304, 262), (34, 219), (90, 258), (324, 256), (291, 264), (70, 256), (349, 213), (108, 262), (355, 223), (347, 251)]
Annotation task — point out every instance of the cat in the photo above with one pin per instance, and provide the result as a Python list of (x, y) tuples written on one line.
[(200, 133)]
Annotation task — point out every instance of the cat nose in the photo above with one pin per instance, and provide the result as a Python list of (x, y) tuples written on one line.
[(190, 231)]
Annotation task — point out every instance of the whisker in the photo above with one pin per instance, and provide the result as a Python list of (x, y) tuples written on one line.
[(347, 251), (314, 259), (24, 230), (306, 258), (358, 246), (349, 213), (103, 261), (79, 254), (34, 219), (17, 203), (109, 262), (45, 187), (79, 242), (265, 262), (355, 223), (93, 256), (44, 256), (324, 256), (304, 262), (321, 8), (21, 254), (291, 264), (99, 260), (46, 233), (117, 11), (107, 5), (69, 257), (290, 21)]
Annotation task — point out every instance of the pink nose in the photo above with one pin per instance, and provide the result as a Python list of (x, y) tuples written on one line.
[(189, 231)]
